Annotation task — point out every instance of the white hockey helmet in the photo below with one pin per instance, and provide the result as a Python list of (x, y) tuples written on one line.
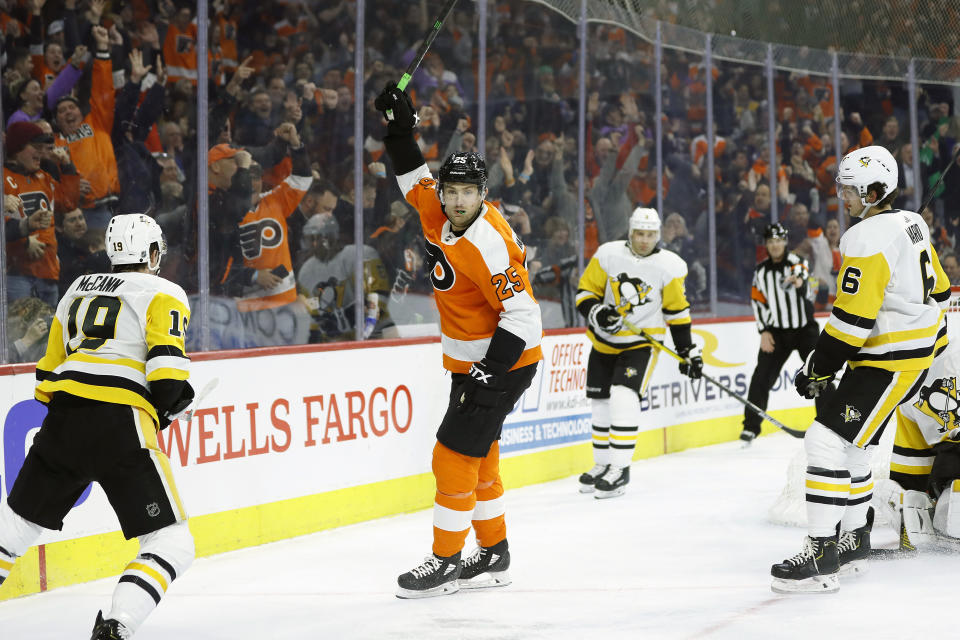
[(863, 167), (645, 219), (130, 237)]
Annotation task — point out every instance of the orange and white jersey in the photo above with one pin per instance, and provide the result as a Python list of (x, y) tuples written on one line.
[(264, 243), (479, 278)]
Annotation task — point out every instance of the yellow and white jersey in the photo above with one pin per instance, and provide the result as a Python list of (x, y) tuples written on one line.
[(112, 335), (648, 291), (935, 412), (891, 292)]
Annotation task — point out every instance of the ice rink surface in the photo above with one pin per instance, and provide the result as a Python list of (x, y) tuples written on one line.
[(686, 553)]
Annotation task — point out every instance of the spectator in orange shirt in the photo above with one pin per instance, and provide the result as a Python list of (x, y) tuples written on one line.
[(32, 246)]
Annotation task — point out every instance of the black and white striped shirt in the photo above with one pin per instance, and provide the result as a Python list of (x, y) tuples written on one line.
[(776, 306)]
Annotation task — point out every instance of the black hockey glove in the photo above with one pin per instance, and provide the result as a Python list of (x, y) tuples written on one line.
[(168, 410), (692, 366), (397, 108), (482, 389), (808, 383), (603, 317)]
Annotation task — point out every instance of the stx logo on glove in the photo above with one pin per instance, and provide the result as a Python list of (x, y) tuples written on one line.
[(480, 375)]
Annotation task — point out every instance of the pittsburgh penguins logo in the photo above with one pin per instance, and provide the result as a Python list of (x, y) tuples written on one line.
[(259, 235), (865, 161), (631, 292), (939, 401), (850, 414), (441, 273)]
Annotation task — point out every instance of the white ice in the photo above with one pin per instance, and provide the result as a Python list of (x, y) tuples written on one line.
[(686, 553)]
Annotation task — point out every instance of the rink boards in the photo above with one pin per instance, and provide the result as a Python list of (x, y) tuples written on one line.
[(296, 440)]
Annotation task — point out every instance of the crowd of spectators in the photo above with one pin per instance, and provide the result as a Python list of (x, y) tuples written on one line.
[(100, 98)]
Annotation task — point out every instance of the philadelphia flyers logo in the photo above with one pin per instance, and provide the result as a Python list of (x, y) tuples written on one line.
[(442, 274), (428, 183), (259, 235)]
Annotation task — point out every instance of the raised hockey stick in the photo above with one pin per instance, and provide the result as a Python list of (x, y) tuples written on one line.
[(953, 161), (422, 51), (207, 388), (796, 433)]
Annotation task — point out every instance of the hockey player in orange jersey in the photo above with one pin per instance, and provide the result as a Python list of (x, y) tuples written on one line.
[(490, 335)]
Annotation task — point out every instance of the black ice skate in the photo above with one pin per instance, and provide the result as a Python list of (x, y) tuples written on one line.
[(813, 570), (108, 629), (613, 482), (853, 549), (435, 577), (589, 478), (487, 567), (746, 438)]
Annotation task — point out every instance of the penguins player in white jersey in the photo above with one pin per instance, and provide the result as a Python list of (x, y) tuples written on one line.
[(113, 375), (921, 499), (885, 326), (638, 280)]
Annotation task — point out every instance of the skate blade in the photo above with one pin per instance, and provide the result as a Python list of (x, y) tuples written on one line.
[(487, 580), (587, 488), (445, 589), (854, 568), (603, 495), (814, 584), (746, 444)]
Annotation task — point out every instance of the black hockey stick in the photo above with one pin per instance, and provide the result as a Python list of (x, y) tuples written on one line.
[(953, 161), (796, 433), (422, 51)]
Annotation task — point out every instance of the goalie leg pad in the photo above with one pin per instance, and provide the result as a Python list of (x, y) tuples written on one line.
[(164, 555), (946, 517), (917, 524)]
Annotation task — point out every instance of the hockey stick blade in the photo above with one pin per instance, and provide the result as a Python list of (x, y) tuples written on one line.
[(422, 51), (796, 433), (207, 389)]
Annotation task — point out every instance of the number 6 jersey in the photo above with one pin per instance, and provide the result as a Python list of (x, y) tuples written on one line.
[(479, 278), (112, 335), (890, 294)]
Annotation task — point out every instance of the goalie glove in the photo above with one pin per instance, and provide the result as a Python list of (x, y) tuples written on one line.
[(397, 108), (603, 317), (692, 365), (808, 383), (482, 389)]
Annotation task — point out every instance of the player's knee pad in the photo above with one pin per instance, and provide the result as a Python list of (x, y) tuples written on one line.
[(858, 461), (16, 533), (946, 517), (172, 545), (624, 406), (601, 411), (825, 449)]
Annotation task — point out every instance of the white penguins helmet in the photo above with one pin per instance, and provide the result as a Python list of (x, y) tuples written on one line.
[(645, 219), (863, 167), (130, 237)]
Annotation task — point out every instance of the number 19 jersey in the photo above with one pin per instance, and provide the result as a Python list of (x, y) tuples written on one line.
[(112, 335)]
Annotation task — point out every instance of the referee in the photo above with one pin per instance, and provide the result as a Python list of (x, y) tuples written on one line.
[(784, 315)]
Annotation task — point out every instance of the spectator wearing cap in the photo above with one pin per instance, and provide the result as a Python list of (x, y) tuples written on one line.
[(28, 217), (89, 137), (32, 99), (229, 197)]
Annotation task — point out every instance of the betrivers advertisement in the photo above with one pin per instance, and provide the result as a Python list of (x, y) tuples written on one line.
[(284, 426)]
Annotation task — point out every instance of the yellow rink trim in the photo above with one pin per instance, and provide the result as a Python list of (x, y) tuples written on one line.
[(104, 555)]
